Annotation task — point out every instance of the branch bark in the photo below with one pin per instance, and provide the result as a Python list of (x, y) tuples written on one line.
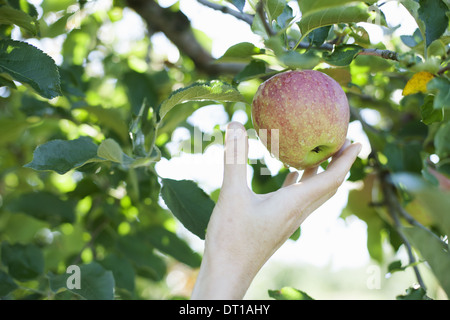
[(385, 54), (177, 28), (227, 10)]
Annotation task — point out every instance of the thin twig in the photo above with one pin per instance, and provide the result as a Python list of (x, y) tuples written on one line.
[(389, 195), (385, 54), (410, 219), (444, 69), (262, 16), (239, 15)]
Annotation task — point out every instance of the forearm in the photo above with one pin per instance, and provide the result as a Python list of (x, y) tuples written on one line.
[(221, 280)]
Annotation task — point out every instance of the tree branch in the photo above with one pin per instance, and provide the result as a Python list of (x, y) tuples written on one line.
[(444, 69), (262, 16), (385, 54), (177, 28), (239, 15)]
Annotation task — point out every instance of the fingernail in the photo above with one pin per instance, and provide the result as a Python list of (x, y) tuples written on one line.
[(235, 132)]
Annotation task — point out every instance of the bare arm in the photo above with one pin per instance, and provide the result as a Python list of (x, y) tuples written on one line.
[(245, 228)]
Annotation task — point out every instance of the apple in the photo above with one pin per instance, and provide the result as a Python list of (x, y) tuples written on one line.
[(301, 117)]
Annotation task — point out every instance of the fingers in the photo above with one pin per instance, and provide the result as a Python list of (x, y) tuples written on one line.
[(343, 160), (308, 173), (311, 172), (236, 156), (346, 144), (291, 178), (315, 189), (331, 179)]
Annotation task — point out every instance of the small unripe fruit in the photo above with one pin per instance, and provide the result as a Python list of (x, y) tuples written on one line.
[(311, 113)]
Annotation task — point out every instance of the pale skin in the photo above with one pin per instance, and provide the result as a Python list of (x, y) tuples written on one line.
[(246, 229)]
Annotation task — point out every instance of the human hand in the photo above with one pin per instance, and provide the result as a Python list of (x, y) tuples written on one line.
[(245, 229)]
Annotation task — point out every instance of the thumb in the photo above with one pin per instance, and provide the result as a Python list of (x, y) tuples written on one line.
[(236, 156)]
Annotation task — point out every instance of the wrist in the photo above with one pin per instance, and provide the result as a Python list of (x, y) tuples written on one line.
[(220, 278)]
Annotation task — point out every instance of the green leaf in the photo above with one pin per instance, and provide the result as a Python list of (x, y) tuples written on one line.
[(25, 6), (9, 15), (440, 87), (310, 6), (413, 40), (396, 266), (432, 251), (24, 262), (78, 44), (169, 243), (341, 14), (29, 65), (285, 18), (238, 4), (342, 55), (288, 293), (96, 283), (140, 87), (430, 197), (429, 113), (275, 7), (442, 141), (109, 149), (414, 294), (403, 156), (359, 204), (56, 5), (122, 269), (110, 118), (201, 91), (433, 14), (241, 52), (11, 129), (45, 206), (296, 235), (56, 28), (254, 69), (190, 204), (296, 60), (142, 256), (7, 284), (64, 155), (4, 82), (318, 36)]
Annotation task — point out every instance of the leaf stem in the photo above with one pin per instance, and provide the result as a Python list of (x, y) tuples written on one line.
[(299, 41)]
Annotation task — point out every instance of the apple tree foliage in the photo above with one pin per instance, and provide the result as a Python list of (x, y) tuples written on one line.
[(80, 137)]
